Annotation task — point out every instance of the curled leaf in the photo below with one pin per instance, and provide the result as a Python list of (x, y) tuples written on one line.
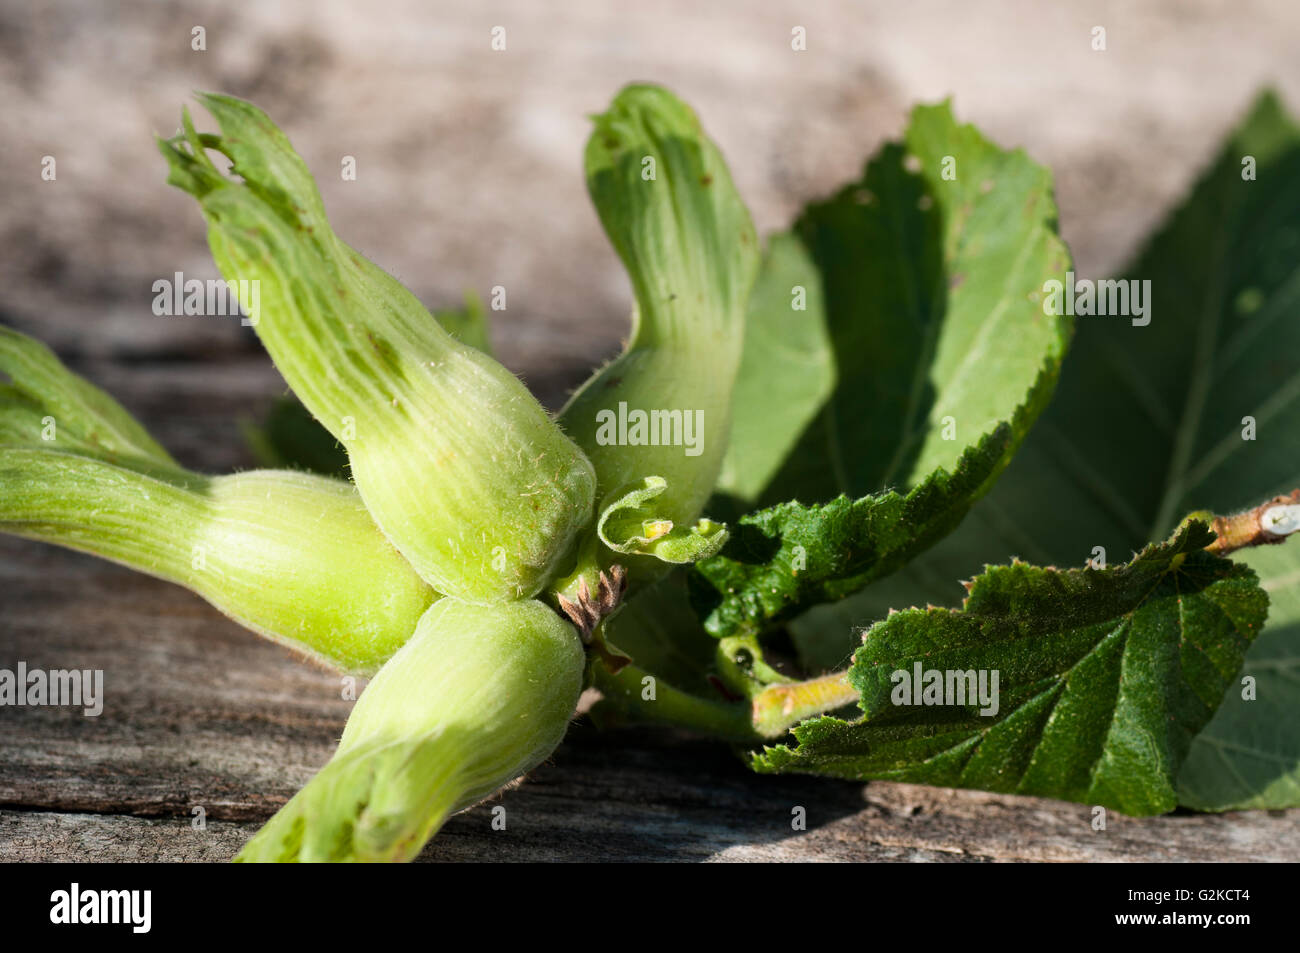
[(630, 522)]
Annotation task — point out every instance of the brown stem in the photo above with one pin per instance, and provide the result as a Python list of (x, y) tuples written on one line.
[(1268, 523)]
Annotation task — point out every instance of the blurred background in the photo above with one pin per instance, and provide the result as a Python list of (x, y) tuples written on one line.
[(468, 159)]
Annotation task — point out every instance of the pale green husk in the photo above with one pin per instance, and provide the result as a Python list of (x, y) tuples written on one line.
[(456, 461), (291, 556), (691, 253), (479, 696)]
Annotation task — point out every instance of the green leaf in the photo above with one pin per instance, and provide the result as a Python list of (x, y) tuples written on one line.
[(1248, 756), (1103, 678), (930, 271), (787, 370), (291, 438), (783, 559), (469, 324), (658, 630), (631, 522), (1147, 424)]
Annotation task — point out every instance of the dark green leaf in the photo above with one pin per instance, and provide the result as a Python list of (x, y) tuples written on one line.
[(662, 635), (930, 271), (787, 370), (1104, 677), (783, 559), (1249, 754), (290, 437), (1147, 424)]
